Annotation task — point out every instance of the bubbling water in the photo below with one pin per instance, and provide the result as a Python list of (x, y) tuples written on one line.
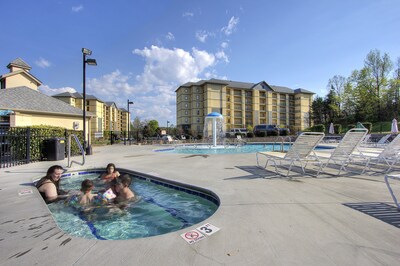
[(214, 130)]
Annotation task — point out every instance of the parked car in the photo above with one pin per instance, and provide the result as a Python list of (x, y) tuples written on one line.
[(236, 131), (266, 130), (283, 131)]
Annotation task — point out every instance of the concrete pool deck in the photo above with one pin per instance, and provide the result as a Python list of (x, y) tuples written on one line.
[(280, 221)]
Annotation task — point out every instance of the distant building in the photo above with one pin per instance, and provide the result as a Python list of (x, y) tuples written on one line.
[(22, 104), (242, 104), (108, 117)]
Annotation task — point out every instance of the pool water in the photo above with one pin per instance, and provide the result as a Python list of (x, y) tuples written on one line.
[(248, 148), (159, 210)]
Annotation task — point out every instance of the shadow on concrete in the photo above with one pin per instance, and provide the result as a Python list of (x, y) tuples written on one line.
[(31, 184), (382, 211)]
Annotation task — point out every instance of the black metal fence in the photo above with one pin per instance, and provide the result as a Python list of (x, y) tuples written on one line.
[(25, 145)]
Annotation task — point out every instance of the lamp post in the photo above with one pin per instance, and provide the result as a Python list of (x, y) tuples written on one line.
[(167, 126), (129, 122), (91, 62)]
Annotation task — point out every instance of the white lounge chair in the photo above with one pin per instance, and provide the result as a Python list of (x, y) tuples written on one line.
[(383, 141), (341, 155), (394, 177), (300, 151), (390, 155)]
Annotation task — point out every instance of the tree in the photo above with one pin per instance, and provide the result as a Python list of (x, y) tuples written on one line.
[(137, 127), (337, 84), (318, 110), (152, 127), (378, 68)]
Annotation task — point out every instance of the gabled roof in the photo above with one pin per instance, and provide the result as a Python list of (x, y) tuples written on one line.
[(68, 94), (262, 85), (282, 89), (76, 95), (300, 90), (19, 63), (110, 104), (22, 72), (26, 99)]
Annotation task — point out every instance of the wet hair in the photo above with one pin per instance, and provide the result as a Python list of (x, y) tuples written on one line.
[(111, 165), (52, 169), (125, 180), (86, 185)]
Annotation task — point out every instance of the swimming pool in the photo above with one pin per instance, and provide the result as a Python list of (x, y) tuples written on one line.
[(231, 149), (162, 207)]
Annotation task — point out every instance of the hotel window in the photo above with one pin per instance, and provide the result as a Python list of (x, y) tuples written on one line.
[(186, 120), (186, 90), (197, 104), (186, 112), (198, 120), (197, 97), (186, 105), (198, 112)]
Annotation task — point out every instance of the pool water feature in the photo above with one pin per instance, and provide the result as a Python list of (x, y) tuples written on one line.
[(162, 208)]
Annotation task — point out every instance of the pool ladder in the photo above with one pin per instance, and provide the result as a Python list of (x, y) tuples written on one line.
[(282, 143), (80, 148)]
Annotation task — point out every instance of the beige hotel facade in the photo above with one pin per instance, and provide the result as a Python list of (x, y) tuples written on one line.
[(242, 104), (22, 104)]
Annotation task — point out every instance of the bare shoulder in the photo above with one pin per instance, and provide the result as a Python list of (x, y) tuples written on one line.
[(46, 185)]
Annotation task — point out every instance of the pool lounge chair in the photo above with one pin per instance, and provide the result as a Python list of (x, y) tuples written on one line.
[(342, 154), (390, 155), (300, 152), (394, 177)]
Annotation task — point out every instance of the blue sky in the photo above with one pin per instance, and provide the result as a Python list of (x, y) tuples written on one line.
[(146, 49)]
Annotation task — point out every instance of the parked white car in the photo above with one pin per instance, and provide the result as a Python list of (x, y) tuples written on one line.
[(236, 131)]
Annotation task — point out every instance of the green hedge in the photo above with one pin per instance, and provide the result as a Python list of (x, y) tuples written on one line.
[(315, 128), (37, 135)]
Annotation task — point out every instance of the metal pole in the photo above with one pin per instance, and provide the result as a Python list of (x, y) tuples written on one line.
[(129, 124), (84, 102)]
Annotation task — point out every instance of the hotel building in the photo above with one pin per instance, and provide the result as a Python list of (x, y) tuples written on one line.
[(241, 104)]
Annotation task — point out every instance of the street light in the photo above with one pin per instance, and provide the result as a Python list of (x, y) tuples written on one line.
[(91, 62), (129, 121), (167, 126)]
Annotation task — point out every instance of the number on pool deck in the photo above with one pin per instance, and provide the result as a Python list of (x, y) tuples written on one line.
[(205, 229)]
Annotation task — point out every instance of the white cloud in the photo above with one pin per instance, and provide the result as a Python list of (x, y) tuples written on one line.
[(187, 14), (43, 63), (232, 24), (50, 91), (172, 66), (77, 8), (224, 45), (170, 36), (202, 35), (111, 85), (153, 91), (222, 56)]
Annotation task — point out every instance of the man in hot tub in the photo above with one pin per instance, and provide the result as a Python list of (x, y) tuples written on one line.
[(124, 193)]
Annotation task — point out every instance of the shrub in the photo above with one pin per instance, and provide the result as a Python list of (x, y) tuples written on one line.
[(284, 132), (367, 125), (338, 128), (318, 128), (250, 134)]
